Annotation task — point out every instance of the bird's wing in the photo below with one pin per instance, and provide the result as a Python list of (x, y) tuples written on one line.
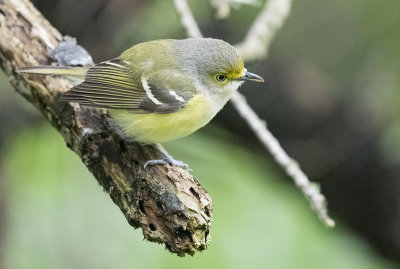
[(113, 85)]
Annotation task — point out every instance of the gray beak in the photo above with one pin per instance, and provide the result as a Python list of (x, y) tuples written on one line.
[(252, 77)]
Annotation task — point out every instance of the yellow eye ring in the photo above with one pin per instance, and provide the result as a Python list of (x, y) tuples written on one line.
[(220, 77)]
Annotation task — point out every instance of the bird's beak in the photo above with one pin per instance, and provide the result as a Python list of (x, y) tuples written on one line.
[(252, 77)]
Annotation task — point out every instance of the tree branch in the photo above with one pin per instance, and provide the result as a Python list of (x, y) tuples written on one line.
[(167, 202), (255, 46)]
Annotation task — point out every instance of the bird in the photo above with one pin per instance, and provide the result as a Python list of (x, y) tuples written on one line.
[(160, 90)]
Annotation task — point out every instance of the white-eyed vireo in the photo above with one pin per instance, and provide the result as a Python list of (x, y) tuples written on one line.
[(160, 90)]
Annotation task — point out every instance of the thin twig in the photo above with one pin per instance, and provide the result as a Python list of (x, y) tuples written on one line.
[(260, 35), (222, 8), (292, 169), (187, 18), (255, 46)]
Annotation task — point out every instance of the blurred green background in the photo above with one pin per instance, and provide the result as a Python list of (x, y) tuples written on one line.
[(331, 97)]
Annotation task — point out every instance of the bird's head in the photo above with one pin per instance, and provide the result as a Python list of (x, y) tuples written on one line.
[(212, 64)]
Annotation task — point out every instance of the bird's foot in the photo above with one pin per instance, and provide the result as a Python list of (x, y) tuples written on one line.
[(167, 159)]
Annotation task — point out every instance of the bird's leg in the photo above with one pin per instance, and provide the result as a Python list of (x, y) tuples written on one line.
[(166, 158)]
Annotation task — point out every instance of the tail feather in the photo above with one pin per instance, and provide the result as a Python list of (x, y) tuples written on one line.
[(75, 74)]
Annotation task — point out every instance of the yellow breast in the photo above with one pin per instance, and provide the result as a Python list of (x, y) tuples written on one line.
[(158, 128)]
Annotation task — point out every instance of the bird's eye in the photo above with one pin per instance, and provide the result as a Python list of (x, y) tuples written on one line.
[(220, 78)]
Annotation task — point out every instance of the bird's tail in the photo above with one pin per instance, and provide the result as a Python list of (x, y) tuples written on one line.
[(75, 74)]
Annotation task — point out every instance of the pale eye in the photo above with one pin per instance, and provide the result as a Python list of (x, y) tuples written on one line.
[(220, 78)]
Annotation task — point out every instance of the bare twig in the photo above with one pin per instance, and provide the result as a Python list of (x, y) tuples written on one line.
[(187, 18), (167, 202), (222, 8), (292, 169), (255, 46), (261, 33)]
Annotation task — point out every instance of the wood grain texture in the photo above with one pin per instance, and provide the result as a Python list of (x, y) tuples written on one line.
[(167, 202)]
